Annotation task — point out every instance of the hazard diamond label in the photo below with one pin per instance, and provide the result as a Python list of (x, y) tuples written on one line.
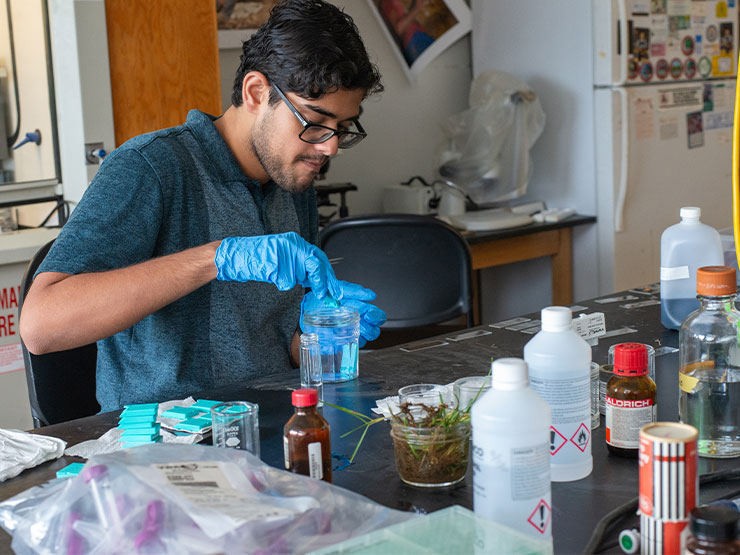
[(540, 517), (581, 437), (557, 440)]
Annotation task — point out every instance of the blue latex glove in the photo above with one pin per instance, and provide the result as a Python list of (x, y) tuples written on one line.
[(285, 259), (356, 297)]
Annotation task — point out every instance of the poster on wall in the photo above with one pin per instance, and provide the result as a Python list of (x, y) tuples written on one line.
[(420, 30), (238, 19)]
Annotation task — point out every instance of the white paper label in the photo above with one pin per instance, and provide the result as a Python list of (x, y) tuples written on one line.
[(590, 326), (315, 467), (669, 274)]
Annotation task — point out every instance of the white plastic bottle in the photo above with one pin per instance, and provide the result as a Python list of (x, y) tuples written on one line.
[(685, 247), (511, 460), (560, 372)]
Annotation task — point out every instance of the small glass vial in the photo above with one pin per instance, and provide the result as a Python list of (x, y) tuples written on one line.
[(630, 400), (709, 365), (714, 530), (310, 360), (306, 439)]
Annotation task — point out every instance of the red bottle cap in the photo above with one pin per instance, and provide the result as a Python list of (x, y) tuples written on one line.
[(305, 397), (630, 359)]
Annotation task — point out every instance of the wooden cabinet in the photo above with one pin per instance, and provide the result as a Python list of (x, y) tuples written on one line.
[(163, 62)]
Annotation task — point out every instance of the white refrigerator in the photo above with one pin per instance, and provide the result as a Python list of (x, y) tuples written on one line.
[(639, 98)]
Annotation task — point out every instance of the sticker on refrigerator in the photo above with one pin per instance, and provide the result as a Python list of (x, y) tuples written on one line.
[(721, 10), (667, 127), (680, 97), (694, 129), (705, 66), (640, 8), (698, 9), (687, 46), (632, 67), (676, 68), (679, 7), (724, 97), (646, 71), (725, 38), (708, 98), (657, 6), (661, 68), (640, 44), (658, 29), (711, 33), (678, 23), (717, 120), (690, 68), (657, 49), (722, 65), (644, 118)]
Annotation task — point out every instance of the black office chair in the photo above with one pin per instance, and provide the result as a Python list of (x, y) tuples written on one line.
[(61, 385), (419, 266)]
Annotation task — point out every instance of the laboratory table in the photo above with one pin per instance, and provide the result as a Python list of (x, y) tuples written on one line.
[(538, 239), (577, 506)]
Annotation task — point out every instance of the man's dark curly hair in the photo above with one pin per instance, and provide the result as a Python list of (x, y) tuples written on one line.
[(310, 48)]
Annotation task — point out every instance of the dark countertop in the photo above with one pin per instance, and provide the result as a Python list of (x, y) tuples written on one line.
[(473, 237)]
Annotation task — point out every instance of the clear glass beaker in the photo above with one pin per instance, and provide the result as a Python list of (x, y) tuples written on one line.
[(338, 330), (236, 425), (469, 389)]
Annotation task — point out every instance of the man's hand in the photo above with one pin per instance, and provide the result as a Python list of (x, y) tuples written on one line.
[(284, 259), (353, 296)]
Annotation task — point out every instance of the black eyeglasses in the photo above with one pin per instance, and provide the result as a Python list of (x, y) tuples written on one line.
[(314, 133)]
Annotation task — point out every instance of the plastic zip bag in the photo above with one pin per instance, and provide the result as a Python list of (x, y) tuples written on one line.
[(486, 147), (187, 499)]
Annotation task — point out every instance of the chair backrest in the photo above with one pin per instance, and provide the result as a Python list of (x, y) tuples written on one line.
[(61, 385), (419, 266)]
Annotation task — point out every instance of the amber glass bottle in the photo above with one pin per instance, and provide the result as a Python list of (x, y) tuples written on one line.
[(630, 399), (306, 438), (714, 531)]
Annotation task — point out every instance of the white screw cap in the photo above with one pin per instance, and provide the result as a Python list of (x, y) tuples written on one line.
[(690, 213), (556, 318), (508, 374)]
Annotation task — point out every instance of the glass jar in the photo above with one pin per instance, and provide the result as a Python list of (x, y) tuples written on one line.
[(709, 365), (338, 330), (433, 456)]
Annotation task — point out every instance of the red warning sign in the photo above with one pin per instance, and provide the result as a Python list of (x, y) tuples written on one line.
[(581, 437), (557, 440), (540, 517)]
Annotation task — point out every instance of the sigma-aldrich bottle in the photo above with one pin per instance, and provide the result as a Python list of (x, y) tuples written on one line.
[(709, 365), (560, 372), (511, 452), (685, 247), (630, 400)]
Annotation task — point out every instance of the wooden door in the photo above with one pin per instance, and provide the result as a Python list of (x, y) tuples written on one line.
[(163, 63)]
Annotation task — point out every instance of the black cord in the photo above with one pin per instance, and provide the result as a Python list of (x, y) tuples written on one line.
[(597, 536), (14, 137), (64, 214), (418, 177)]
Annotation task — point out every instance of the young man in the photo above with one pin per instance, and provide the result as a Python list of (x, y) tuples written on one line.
[(228, 199)]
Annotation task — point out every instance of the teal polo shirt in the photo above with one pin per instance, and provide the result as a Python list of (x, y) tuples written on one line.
[(162, 193)]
